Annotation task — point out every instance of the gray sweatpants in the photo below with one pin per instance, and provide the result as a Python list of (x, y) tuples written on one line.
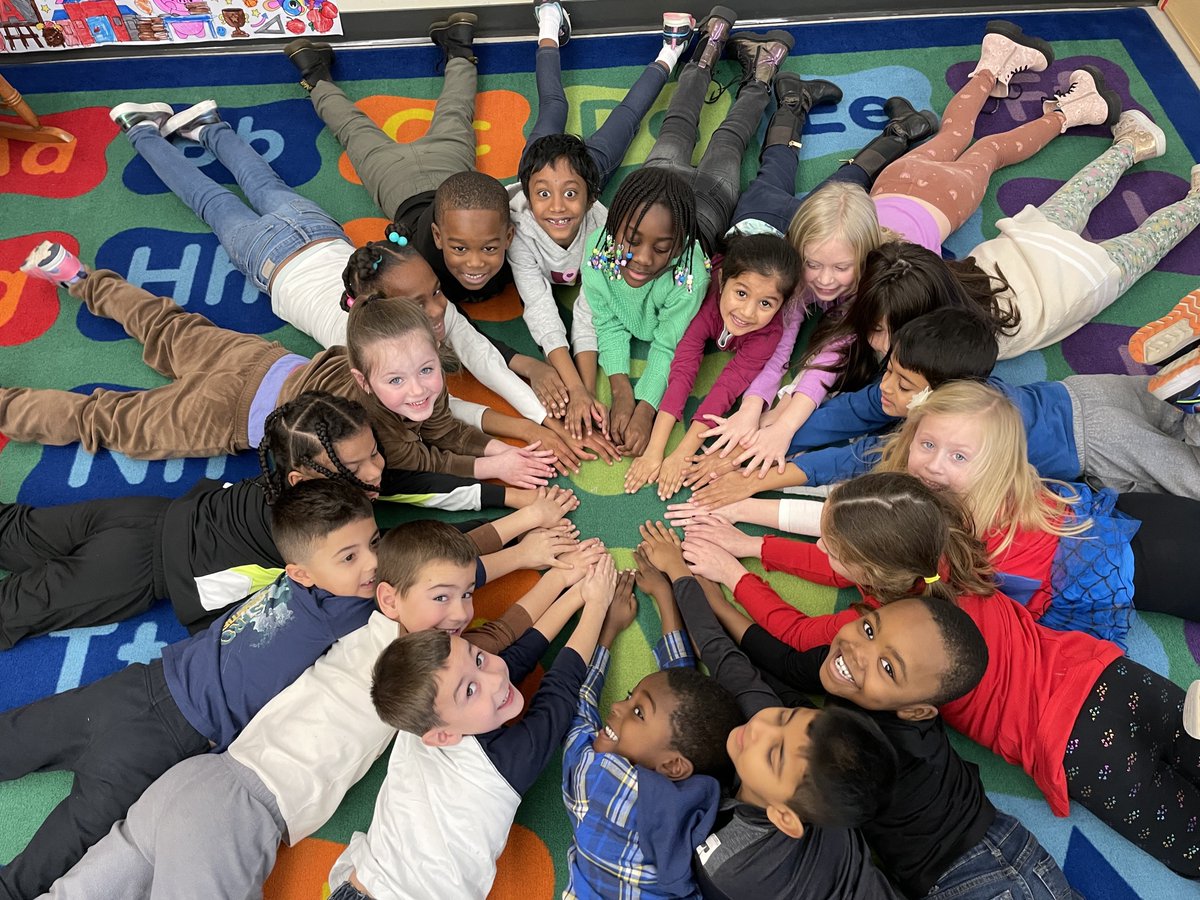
[(1129, 440), (208, 827), (390, 171)]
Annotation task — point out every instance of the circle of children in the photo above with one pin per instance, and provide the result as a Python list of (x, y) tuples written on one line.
[(1000, 536)]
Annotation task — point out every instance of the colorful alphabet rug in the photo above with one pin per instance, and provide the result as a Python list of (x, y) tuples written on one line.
[(103, 202)]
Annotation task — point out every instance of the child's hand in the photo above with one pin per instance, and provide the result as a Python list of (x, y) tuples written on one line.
[(681, 515), (708, 560), (552, 503), (767, 447), (731, 430), (566, 457), (670, 476), (649, 579), (637, 432), (728, 488), (619, 418), (706, 467), (662, 548), (622, 610), (523, 467), (549, 387), (541, 547), (580, 560), (599, 444), (717, 530), (581, 412), (600, 583), (642, 471)]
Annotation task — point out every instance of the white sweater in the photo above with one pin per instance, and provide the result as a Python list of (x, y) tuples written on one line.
[(538, 262)]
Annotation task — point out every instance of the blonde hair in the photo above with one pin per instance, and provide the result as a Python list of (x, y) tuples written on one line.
[(1006, 493), (837, 210), (905, 539)]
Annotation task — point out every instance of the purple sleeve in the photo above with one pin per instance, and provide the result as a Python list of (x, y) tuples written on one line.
[(814, 382), (689, 354), (767, 382), (752, 353)]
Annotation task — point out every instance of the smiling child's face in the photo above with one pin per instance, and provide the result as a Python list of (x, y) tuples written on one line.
[(892, 658), (473, 243), (441, 597), (415, 280), (898, 387), (749, 301), (406, 375), (558, 199), (830, 269), (639, 727), (342, 562), (652, 245), (474, 693)]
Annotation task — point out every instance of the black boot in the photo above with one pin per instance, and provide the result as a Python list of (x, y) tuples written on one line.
[(905, 122), (312, 58), (795, 98), (455, 36), (714, 31), (760, 55)]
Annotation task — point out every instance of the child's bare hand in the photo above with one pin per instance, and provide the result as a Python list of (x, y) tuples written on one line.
[(580, 412), (524, 467), (623, 609), (541, 548), (619, 418), (548, 385), (552, 503), (708, 560), (637, 432), (566, 459), (649, 579), (728, 488), (600, 445), (670, 476), (601, 581), (717, 530), (580, 559), (704, 468), (767, 447), (730, 431), (662, 548), (642, 471)]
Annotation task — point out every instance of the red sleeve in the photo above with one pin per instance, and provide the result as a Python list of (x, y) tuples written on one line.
[(785, 622), (1030, 555), (800, 558)]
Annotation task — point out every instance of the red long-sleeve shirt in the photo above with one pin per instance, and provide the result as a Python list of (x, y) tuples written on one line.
[(1036, 681)]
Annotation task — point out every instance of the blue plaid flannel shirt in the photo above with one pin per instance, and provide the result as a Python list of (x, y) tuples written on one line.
[(600, 792)]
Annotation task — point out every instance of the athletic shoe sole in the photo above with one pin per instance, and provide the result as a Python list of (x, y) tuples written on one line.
[(51, 261), (1191, 711), (181, 121), (1176, 378), (1165, 337)]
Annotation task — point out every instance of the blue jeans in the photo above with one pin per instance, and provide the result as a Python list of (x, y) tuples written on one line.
[(257, 242), (347, 891), (611, 140), (771, 196), (1008, 863)]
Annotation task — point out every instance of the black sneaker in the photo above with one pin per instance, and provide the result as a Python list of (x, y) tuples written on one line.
[(904, 121)]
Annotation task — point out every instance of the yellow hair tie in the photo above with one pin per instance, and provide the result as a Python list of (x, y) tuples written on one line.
[(930, 579)]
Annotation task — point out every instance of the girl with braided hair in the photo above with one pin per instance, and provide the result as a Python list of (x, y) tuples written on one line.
[(295, 252)]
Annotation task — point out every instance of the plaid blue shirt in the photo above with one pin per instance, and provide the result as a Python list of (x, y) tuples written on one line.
[(600, 791)]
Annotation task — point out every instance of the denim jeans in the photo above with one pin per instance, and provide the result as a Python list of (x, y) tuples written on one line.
[(771, 196), (717, 180), (347, 891), (259, 239), (608, 144), (1008, 863)]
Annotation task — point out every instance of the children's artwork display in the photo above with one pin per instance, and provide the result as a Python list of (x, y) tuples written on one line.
[(30, 25)]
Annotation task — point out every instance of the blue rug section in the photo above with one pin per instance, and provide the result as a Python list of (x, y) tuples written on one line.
[(1154, 58)]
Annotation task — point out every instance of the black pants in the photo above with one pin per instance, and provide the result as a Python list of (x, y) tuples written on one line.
[(80, 564), (1163, 580), (116, 735), (717, 180), (1130, 762)]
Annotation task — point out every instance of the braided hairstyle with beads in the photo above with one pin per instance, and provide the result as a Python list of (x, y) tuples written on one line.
[(367, 265), (647, 187), (298, 433)]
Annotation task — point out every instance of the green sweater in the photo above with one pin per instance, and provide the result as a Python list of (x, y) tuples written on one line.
[(657, 312)]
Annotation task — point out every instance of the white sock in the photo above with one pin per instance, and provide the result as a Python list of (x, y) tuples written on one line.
[(549, 22), (670, 56)]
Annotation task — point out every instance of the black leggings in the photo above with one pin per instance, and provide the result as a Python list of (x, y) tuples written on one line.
[(1162, 550), (1130, 762)]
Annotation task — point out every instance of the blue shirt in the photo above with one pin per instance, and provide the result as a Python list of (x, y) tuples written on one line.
[(223, 675), (606, 859), (820, 450)]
